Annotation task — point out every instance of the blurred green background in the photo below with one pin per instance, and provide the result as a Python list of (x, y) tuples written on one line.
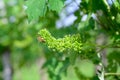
[(19, 48), (21, 55)]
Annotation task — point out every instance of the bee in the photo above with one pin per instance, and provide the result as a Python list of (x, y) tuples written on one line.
[(40, 39)]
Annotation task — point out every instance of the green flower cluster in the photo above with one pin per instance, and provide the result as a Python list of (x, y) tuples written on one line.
[(68, 42)]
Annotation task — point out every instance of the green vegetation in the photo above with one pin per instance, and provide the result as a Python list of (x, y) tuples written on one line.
[(98, 38), (68, 40)]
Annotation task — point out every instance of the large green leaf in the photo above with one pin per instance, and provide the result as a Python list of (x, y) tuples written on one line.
[(56, 5), (87, 68), (36, 8)]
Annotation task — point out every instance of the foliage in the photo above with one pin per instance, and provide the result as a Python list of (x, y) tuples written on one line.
[(90, 42), (17, 35), (39, 7), (24, 73), (104, 21)]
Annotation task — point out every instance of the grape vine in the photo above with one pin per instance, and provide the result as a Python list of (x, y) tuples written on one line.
[(68, 42)]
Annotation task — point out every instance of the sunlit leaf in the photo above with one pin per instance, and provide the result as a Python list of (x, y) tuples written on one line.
[(87, 68), (56, 5), (36, 8)]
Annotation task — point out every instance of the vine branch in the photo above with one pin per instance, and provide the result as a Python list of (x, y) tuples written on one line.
[(112, 74)]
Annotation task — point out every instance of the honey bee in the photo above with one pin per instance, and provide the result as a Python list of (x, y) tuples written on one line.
[(40, 39)]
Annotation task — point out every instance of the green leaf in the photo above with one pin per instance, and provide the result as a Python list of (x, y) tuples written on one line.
[(36, 8), (56, 5), (116, 3), (82, 25), (118, 18), (24, 43), (87, 68)]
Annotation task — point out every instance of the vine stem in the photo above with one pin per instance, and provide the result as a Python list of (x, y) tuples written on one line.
[(112, 74), (102, 47)]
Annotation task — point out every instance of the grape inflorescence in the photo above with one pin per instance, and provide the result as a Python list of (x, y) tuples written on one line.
[(68, 42)]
